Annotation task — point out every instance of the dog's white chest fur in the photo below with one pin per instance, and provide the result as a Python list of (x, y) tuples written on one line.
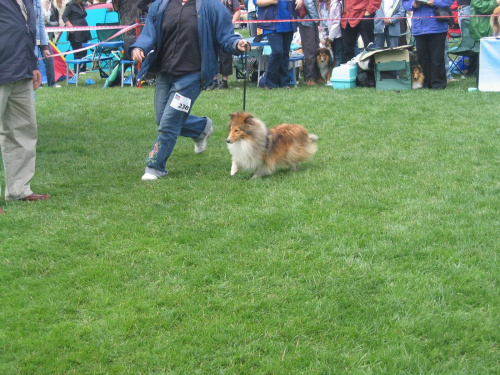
[(417, 85), (323, 69), (245, 154)]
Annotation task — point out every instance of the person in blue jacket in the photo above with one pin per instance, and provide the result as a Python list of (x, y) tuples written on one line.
[(179, 42), (387, 23), (19, 76), (280, 36), (430, 38)]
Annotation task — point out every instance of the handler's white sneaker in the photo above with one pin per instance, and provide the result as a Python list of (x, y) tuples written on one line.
[(201, 146), (149, 177)]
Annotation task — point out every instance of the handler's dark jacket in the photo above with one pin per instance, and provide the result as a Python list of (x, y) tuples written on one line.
[(17, 41)]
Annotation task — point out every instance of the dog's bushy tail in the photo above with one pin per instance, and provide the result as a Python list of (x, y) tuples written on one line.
[(312, 147)]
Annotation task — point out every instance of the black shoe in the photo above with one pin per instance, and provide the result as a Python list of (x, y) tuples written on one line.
[(223, 85), (212, 86)]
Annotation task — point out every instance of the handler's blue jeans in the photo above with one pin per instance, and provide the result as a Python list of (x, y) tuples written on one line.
[(173, 122)]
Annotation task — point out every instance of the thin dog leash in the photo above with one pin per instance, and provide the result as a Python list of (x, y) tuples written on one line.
[(245, 58)]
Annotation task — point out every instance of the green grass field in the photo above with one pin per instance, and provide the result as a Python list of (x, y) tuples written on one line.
[(378, 256)]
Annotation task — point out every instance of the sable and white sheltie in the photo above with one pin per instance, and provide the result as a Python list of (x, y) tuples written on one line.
[(417, 77), (324, 61), (495, 25), (254, 147)]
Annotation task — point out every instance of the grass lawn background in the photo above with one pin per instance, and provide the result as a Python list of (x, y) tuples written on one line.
[(380, 255)]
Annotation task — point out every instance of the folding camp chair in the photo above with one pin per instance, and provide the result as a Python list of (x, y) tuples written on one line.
[(454, 32), (455, 36), (239, 63), (467, 47), (106, 55)]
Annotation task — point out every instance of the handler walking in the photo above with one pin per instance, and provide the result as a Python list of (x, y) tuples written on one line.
[(179, 42)]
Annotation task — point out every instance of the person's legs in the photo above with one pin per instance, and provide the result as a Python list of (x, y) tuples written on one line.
[(423, 55), (174, 98), (349, 42), (252, 27), (392, 41), (337, 51), (49, 69), (18, 137), (275, 58), (284, 70), (226, 68), (379, 40), (366, 27), (79, 55), (447, 60), (308, 36), (438, 69), (317, 41)]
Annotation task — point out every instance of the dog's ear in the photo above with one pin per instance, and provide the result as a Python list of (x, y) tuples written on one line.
[(248, 117)]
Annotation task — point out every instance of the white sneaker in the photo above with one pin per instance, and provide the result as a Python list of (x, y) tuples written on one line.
[(149, 177), (201, 146)]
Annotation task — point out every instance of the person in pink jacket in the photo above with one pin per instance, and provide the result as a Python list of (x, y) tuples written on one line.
[(357, 19)]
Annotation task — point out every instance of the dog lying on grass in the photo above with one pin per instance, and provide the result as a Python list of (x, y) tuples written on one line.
[(254, 147)]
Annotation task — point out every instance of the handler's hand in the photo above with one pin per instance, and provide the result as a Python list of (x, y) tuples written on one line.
[(243, 45), (37, 79), (46, 54), (298, 3), (137, 55)]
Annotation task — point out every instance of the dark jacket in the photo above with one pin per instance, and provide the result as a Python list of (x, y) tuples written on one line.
[(17, 41), (78, 17), (215, 31)]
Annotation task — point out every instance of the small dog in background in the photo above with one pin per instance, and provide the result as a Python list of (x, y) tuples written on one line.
[(254, 147), (324, 62), (417, 77), (495, 25)]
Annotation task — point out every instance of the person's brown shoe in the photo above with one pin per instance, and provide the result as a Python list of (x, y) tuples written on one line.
[(1, 211), (310, 82), (36, 197)]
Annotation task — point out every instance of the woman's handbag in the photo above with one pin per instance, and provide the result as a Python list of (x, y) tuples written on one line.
[(302, 11), (444, 15), (54, 14)]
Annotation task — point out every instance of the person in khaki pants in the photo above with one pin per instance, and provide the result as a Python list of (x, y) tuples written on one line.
[(19, 76)]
